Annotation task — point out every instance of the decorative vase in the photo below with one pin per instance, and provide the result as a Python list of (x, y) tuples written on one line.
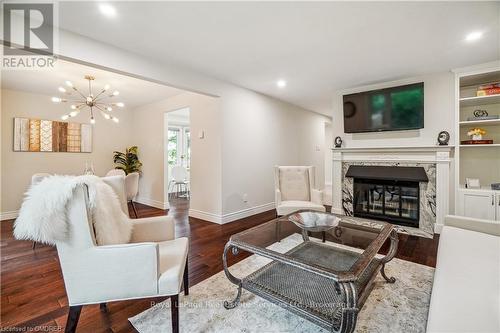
[(477, 137)]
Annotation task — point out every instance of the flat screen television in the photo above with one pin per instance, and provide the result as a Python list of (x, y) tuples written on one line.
[(390, 109)]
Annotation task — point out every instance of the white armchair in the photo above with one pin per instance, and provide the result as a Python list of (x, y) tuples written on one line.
[(294, 190), (153, 264)]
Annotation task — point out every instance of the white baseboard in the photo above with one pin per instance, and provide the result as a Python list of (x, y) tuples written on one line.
[(152, 203), (210, 217), (230, 217), (337, 211), (438, 228), (9, 215)]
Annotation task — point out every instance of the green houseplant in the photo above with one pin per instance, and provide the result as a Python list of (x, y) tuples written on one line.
[(127, 161)]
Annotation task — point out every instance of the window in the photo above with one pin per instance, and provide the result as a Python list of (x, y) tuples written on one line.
[(187, 148), (179, 146), (173, 146)]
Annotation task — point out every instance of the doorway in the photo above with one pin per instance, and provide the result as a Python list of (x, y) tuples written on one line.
[(177, 155)]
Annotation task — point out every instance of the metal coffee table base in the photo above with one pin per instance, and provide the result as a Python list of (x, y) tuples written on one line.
[(321, 299)]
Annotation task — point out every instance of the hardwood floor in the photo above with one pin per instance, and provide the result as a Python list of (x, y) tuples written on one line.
[(32, 288)]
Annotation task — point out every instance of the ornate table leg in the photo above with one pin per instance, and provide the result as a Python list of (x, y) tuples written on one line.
[(305, 235), (234, 303), (392, 252)]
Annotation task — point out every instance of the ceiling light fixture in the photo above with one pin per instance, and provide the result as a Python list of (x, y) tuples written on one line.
[(281, 83), (473, 36), (93, 101), (107, 10)]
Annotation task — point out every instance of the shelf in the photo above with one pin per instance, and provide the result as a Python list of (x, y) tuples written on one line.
[(393, 148), (481, 189), (480, 100), (479, 79), (480, 122), (485, 145)]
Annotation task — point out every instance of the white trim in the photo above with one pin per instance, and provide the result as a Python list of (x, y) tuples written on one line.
[(438, 228), (210, 217), (9, 215), (390, 149), (152, 203), (230, 217), (337, 211)]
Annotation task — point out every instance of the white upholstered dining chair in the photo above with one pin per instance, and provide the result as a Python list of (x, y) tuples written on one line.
[(294, 189), (153, 264), (132, 188), (179, 180), (115, 172)]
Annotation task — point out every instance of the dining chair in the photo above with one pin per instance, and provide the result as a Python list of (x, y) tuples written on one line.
[(115, 172), (132, 188), (180, 179)]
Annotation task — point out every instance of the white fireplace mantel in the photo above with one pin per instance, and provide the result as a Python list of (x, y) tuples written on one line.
[(439, 155)]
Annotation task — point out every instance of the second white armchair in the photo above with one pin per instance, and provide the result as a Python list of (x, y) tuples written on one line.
[(294, 190)]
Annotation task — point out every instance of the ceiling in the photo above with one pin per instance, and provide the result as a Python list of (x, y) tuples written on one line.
[(133, 92), (317, 47)]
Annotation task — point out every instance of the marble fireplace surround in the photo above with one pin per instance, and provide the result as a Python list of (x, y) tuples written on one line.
[(434, 195)]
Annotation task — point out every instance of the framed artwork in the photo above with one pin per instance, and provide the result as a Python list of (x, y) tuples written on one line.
[(37, 135)]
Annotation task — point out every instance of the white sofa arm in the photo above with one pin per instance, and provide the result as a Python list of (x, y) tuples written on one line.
[(469, 223), (111, 272), (153, 229), (317, 196), (277, 197)]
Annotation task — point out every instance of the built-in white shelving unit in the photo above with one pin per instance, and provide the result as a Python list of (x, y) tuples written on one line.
[(481, 161), (481, 146), (480, 100), (488, 122)]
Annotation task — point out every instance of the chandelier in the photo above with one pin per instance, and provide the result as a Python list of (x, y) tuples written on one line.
[(99, 102)]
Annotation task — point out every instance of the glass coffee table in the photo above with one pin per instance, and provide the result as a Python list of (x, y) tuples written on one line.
[(324, 282)]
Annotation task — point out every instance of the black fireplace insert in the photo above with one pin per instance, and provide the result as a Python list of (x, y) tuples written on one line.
[(389, 193)]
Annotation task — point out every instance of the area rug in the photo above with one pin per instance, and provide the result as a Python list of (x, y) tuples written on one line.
[(398, 307)]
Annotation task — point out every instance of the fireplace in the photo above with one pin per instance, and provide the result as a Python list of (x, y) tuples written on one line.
[(388, 193)]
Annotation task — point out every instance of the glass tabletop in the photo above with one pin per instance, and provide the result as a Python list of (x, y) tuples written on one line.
[(351, 243)]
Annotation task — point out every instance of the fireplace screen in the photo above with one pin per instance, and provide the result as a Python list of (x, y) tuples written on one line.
[(388, 200)]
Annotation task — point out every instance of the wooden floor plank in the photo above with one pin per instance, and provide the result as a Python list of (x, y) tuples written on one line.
[(32, 289)]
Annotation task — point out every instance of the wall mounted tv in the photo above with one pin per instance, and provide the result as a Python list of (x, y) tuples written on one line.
[(390, 109)]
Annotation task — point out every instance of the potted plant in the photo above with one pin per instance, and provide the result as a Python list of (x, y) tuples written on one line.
[(476, 133), (127, 161)]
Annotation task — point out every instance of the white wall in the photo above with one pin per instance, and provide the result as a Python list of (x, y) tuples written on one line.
[(260, 132), (148, 134), (232, 161), (439, 115), (18, 167), (328, 153), (236, 109)]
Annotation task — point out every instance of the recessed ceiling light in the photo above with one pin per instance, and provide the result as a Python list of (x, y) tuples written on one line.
[(281, 83), (473, 36), (107, 10)]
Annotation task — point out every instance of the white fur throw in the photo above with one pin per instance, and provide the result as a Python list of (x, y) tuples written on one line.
[(42, 217)]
